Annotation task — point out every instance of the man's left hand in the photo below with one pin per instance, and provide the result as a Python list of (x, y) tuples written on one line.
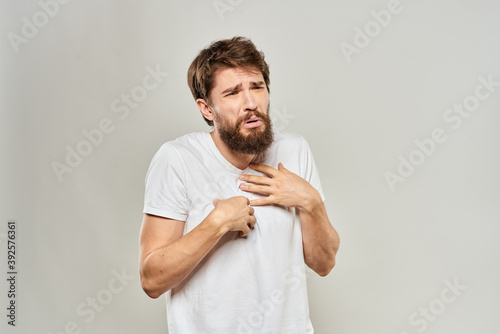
[(281, 186)]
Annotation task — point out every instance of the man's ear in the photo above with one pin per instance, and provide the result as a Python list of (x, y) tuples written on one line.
[(205, 109)]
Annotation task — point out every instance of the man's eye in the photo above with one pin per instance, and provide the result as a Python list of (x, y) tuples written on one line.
[(232, 93), (258, 87)]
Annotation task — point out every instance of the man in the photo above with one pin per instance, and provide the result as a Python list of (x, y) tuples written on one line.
[(231, 216)]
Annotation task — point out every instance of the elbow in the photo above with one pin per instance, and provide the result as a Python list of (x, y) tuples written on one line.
[(152, 294), (330, 263), (154, 287), (150, 285), (322, 263), (149, 281), (323, 272), (148, 288), (321, 267)]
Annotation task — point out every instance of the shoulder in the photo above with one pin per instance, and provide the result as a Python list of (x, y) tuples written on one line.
[(184, 144), (175, 153)]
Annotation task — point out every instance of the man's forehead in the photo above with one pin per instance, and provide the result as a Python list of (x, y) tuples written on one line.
[(233, 74)]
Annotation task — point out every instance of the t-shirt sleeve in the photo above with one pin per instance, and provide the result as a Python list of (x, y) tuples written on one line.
[(310, 173), (165, 193)]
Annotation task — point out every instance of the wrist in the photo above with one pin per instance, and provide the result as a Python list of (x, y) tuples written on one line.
[(311, 202), (217, 223)]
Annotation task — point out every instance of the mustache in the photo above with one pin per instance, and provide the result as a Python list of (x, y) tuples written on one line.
[(264, 117)]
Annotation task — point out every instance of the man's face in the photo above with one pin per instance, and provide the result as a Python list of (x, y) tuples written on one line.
[(240, 102)]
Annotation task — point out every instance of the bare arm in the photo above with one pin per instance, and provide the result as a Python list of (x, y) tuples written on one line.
[(319, 238), (167, 257)]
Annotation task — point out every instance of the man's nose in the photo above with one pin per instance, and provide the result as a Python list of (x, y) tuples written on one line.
[(249, 102)]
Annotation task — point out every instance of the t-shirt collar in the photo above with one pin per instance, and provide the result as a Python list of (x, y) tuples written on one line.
[(215, 151)]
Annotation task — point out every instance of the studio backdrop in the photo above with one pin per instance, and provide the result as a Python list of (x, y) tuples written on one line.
[(398, 99)]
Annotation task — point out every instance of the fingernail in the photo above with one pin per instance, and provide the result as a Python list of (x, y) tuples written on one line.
[(242, 176)]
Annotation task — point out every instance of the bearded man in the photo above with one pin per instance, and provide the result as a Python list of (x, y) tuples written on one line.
[(232, 216)]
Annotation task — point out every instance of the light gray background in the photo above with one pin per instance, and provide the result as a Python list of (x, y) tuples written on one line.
[(398, 247)]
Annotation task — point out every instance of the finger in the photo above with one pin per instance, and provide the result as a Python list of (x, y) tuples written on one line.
[(214, 202), (246, 200), (244, 232), (252, 222), (251, 211), (281, 167), (257, 179), (268, 170), (263, 201), (265, 190)]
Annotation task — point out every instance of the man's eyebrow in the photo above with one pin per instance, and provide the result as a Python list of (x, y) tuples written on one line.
[(231, 89), (258, 83), (238, 86)]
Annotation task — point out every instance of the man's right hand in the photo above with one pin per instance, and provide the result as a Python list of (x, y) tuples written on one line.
[(235, 214)]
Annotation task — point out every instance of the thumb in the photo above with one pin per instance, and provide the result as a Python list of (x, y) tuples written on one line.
[(281, 167)]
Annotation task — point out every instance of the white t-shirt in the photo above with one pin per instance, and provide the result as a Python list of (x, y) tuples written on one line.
[(255, 284)]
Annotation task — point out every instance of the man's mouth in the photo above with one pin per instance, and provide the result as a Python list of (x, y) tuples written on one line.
[(252, 122)]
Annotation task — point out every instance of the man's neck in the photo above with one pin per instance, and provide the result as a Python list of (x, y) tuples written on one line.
[(238, 160)]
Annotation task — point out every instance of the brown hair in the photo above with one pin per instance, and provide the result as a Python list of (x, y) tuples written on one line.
[(226, 53)]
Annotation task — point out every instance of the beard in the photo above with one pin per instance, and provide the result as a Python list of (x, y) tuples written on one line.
[(257, 141)]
